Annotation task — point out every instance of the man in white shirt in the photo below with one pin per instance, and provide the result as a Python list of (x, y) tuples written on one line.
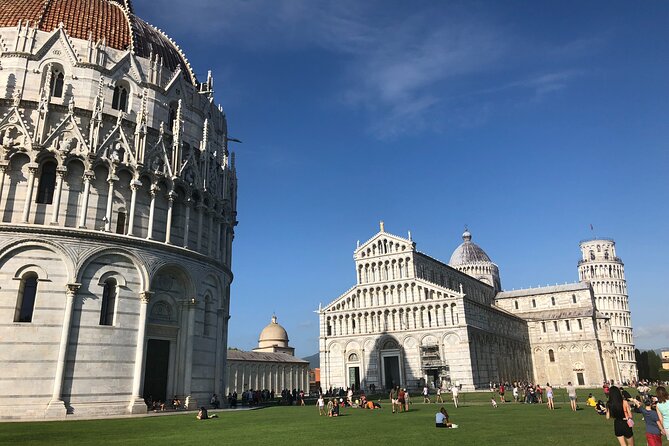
[(455, 391)]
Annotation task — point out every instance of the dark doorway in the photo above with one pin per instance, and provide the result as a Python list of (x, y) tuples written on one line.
[(354, 378), (579, 378), (433, 376), (391, 369), (155, 376)]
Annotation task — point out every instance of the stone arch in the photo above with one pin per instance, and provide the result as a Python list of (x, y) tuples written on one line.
[(136, 261), (174, 274), (11, 248), (428, 339), (451, 338), (218, 296)]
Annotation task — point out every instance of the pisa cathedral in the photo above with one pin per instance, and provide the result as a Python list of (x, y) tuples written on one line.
[(411, 319), (117, 214)]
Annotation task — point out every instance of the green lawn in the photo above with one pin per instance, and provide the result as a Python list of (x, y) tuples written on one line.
[(480, 424)]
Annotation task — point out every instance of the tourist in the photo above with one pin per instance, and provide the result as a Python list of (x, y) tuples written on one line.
[(549, 397), (600, 408), (663, 409), (501, 393), (426, 395), (401, 400), (439, 400), (653, 426), (571, 392), (441, 419), (407, 400), (540, 394), (618, 409), (202, 414), (321, 405), (591, 400), (335, 409), (455, 391), (330, 407), (215, 403), (515, 392), (301, 395), (349, 395), (393, 397), (493, 402), (176, 403)]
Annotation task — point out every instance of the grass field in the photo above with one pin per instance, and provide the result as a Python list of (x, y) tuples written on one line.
[(480, 424)]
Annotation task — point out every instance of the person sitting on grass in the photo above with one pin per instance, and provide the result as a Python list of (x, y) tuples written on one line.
[(370, 405), (441, 419), (591, 400), (493, 402), (202, 414), (600, 408)]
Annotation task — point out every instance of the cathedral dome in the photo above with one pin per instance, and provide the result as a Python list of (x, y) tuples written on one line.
[(273, 335), (468, 252), (110, 20)]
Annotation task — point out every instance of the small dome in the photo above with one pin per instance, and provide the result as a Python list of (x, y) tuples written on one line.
[(468, 252), (273, 335)]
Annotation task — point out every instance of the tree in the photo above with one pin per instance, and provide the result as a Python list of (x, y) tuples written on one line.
[(654, 365), (642, 366)]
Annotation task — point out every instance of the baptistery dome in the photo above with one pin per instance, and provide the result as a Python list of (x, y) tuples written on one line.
[(118, 201), (107, 22)]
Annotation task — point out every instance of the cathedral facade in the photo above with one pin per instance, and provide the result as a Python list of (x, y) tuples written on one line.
[(412, 320), (117, 214)]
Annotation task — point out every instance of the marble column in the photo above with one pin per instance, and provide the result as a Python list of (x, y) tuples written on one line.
[(188, 372), (137, 404), (134, 185), (57, 407), (32, 170), (88, 177), (60, 175), (110, 202), (3, 172), (168, 225), (152, 209), (218, 365)]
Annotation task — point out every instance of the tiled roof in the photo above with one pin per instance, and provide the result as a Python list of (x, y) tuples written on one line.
[(238, 355), (544, 290), (112, 20)]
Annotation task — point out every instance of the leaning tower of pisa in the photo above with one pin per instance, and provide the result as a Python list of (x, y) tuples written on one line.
[(605, 271)]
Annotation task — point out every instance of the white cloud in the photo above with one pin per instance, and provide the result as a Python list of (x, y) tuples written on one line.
[(652, 336), (399, 65)]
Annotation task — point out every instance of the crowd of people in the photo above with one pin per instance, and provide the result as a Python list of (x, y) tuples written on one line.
[(254, 397)]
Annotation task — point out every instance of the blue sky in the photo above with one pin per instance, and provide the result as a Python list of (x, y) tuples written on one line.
[(527, 121)]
